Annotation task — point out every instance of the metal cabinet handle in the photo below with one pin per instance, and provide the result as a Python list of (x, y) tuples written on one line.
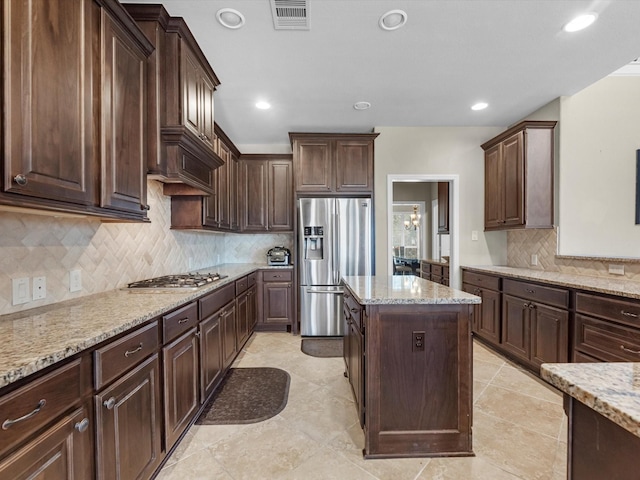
[(629, 350), (355, 310), (21, 179), (183, 320), (629, 314), (532, 305), (110, 403), (145, 207), (525, 305), (197, 334), (8, 422), (82, 425), (529, 290), (131, 352)]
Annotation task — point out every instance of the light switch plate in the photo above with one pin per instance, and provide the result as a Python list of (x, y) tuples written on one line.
[(534, 259), (20, 291), (616, 269), (75, 281), (474, 235)]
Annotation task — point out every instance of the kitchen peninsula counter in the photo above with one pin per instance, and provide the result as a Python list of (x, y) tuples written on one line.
[(602, 402), (408, 355), (37, 338)]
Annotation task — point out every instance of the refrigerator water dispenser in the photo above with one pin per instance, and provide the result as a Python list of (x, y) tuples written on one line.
[(313, 243)]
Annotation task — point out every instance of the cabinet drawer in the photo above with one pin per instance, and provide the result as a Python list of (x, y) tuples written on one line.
[(216, 300), (38, 403), (241, 285), (425, 267), (481, 280), (606, 341), (436, 270), (179, 321), (251, 279), (353, 308), (117, 357), (623, 311), (277, 276), (548, 295), (445, 272)]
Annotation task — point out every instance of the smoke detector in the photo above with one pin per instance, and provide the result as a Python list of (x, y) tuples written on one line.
[(290, 14)]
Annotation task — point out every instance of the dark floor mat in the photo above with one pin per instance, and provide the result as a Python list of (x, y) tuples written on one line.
[(323, 347), (247, 395)]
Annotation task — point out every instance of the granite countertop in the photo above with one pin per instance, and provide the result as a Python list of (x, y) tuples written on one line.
[(613, 286), (37, 338), (401, 289), (611, 389)]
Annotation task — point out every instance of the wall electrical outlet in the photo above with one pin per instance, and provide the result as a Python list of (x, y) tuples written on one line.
[(39, 288), (534, 259), (75, 281), (616, 269), (474, 235), (20, 291)]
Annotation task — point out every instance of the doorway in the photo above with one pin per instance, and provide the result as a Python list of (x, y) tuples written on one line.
[(405, 192)]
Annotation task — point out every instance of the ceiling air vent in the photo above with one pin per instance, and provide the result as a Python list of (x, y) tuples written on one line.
[(290, 14)]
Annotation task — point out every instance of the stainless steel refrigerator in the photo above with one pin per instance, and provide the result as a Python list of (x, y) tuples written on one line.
[(335, 240)]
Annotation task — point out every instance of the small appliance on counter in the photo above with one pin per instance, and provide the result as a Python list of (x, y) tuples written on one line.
[(278, 256)]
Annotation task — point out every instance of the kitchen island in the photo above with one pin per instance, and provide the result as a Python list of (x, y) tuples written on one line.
[(408, 356), (602, 403)]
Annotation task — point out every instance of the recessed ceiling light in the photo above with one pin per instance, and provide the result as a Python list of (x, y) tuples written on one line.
[(393, 19), (580, 22), (263, 105), (361, 105), (479, 106), (230, 18)]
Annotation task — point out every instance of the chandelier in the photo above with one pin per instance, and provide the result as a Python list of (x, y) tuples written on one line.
[(414, 222)]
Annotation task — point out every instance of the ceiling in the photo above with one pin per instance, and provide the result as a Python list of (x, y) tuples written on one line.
[(450, 54)]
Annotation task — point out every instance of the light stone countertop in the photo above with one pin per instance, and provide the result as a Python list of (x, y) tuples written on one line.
[(400, 289), (612, 286), (37, 338), (611, 389)]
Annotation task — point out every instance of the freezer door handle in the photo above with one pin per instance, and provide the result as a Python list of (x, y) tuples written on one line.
[(336, 245), (335, 292)]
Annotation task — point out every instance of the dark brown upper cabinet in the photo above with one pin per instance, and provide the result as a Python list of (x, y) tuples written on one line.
[(180, 114), (333, 163), (73, 130), (519, 177), (443, 207)]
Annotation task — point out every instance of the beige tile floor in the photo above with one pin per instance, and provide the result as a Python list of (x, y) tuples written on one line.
[(519, 429)]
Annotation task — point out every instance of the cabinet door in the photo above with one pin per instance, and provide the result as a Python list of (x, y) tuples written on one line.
[(354, 166), (210, 355), (242, 315), (443, 207), (346, 340), (277, 303), (252, 308), (222, 191), (234, 193), (207, 88), (254, 205), (489, 318), (123, 120), (515, 326), (313, 166), (228, 323), (63, 452), (493, 190), (128, 423), (513, 165), (280, 196), (549, 335), (356, 365), (192, 94), (49, 113), (181, 385), (211, 213)]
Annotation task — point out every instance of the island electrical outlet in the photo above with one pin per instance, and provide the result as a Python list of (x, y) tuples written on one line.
[(418, 342)]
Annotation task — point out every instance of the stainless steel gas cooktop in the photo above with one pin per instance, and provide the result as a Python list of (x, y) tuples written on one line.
[(187, 281)]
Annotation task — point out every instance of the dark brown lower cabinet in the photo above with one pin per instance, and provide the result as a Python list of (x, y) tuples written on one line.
[(252, 307), (228, 330), (597, 447), (486, 316), (242, 314), (62, 452), (356, 368), (210, 354), (128, 424), (181, 384), (534, 332), (276, 310)]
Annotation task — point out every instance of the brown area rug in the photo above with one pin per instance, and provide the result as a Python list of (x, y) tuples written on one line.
[(323, 346), (247, 395)]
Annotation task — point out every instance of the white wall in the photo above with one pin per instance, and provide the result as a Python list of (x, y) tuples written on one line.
[(432, 151), (599, 136)]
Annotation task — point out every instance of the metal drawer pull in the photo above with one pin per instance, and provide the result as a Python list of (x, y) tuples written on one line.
[(183, 320), (7, 423), (530, 290), (197, 334), (82, 425), (131, 352), (355, 310), (110, 403), (629, 350), (21, 179), (629, 314), (525, 305)]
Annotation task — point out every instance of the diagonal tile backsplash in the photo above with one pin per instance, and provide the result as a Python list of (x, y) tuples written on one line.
[(110, 255)]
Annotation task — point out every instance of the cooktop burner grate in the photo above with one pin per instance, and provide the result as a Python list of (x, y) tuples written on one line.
[(187, 280)]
